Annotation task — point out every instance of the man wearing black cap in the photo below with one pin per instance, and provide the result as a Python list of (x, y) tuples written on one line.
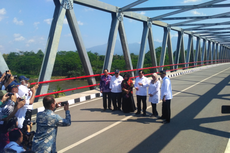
[(116, 90), (166, 96)]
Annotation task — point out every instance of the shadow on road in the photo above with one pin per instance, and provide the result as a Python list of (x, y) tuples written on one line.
[(185, 121)]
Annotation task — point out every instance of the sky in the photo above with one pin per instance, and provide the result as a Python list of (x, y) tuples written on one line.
[(25, 25)]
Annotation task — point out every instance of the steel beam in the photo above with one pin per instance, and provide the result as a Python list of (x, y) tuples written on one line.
[(111, 42), (178, 48), (195, 17), (197, 49), (209, 52), (212, 52), (136, 16), (163, 49), (132, 5), (51, 48), (195, 20), (209, 29), (182, 52), (152, 48), (166, 42), (3, 65), (170, 50), (216, 53), (203, 51), (202, 25), (186, 9), (176, 7), (73, 24), (189, 48), (141, 56), (125, 47)]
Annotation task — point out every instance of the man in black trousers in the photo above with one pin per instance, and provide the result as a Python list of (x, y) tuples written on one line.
[(166, 96)]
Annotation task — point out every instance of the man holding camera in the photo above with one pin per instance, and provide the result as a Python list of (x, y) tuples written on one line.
[(47, 124)]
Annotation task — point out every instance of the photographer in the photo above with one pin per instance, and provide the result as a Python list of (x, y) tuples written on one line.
[(6, 79), (10, 104), (47, 123)]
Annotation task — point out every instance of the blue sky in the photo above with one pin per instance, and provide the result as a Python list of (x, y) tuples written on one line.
[(25, 25)]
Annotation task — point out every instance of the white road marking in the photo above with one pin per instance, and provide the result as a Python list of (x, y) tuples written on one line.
[(227, 150), (126, 118)]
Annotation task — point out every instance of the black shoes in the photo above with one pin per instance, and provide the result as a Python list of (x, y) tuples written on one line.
[(160, 118), (154, 116), (165, 122), (137, 113)]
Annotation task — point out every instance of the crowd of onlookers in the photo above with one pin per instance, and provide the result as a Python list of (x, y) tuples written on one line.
[(16, 104)]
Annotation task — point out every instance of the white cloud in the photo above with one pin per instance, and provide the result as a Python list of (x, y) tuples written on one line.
[(68, 35), (197, 13), (65, 21), (158, 40), (21, 38), (80, 23), (16, 21), (2, 13), (142, 13), (190, 1), (48, 21), (27, 45), (18, 37), (88, 9), (175, 35), (36, 24), (31, 41), (1, 48)]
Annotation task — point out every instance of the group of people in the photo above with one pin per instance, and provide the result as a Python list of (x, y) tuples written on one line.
[(16, 105), (119, 90)]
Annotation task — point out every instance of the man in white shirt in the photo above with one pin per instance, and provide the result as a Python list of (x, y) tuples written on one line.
[(166, 96), (141, 84), (116, 90)]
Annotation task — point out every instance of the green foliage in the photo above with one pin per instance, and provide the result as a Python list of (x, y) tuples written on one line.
[(68, 63), (57, 95)]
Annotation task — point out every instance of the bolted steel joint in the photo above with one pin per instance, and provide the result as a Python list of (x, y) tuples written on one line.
[(149, 23), (120, 16), (67, 4)]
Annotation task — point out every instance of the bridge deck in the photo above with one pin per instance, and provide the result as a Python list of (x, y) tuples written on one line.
[(197, 124)]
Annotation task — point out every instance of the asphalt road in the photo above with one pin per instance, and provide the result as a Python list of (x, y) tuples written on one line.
[(197, 125)]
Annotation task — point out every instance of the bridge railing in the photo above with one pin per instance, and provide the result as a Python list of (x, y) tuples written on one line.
[(207, 62)]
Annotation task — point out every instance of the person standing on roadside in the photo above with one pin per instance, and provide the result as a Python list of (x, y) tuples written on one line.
[(154, 94), (104, 88), (166, 96), (116, 90), (47, 123), (141, 84)]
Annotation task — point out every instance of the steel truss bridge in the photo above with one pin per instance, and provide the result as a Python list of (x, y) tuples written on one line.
[(214, 49)]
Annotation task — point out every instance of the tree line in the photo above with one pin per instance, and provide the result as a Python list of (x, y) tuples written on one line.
[(68, 63)]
